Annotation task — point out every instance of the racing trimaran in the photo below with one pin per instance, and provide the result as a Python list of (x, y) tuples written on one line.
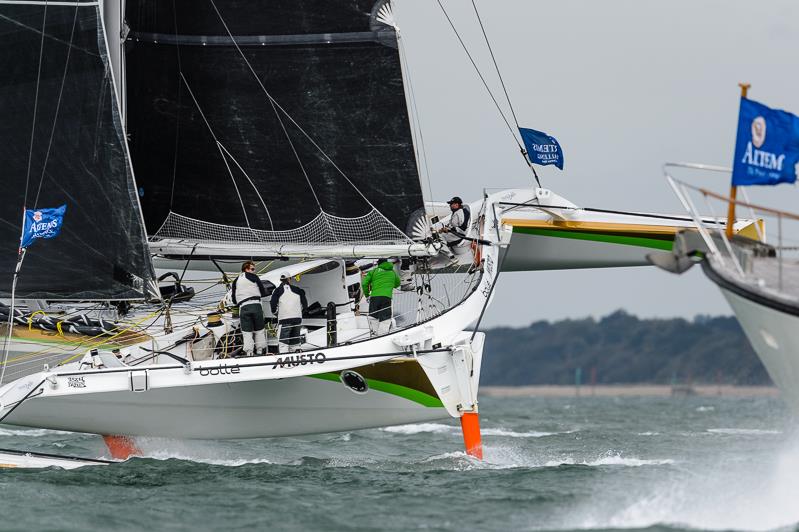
[(264, 131)]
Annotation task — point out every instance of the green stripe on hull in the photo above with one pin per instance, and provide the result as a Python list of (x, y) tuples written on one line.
[(644, 242), (394, 389)]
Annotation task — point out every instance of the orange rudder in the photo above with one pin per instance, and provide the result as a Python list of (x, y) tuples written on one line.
[(121, 447), (470, 425)]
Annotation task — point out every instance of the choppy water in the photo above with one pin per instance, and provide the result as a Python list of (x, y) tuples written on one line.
[(551, 464)]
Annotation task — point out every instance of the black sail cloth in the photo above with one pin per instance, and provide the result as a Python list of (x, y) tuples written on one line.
[(329, 63), (77, 157)]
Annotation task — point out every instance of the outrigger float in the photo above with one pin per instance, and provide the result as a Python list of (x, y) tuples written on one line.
[(12, 459)]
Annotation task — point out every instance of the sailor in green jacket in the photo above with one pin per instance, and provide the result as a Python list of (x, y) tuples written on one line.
[(378, 285)]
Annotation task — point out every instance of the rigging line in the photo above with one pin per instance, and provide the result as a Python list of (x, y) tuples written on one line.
[(412, 94), (98, 117), (35, 109), (224, 159), (100, 339), (480, 74), (48, 37), (291, 119), (271, 225), (186, 267), (496, 66), (27, 395), (286, 133), (58, 103), (297, 157), (275, 107), (177, 120), (236, 187), (505, 90), (10, 324)]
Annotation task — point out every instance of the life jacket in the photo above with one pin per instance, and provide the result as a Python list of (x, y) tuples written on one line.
[(463, 227), (289, 303), (246, 291), (467, 215)]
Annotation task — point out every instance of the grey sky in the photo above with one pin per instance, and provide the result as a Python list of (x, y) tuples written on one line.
[(625, 85)]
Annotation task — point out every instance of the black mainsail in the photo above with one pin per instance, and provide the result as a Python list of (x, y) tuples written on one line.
[(62, 143), (209, 144)]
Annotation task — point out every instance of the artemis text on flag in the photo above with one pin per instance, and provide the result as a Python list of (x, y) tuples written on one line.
[(766, 147), (42, 223), (541, 148)]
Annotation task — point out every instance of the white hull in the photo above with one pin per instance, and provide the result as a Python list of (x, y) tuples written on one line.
[(261, 396), (530, 252), (273, 395), (10, 459), (551, 233), (256, 409), (774, 335)]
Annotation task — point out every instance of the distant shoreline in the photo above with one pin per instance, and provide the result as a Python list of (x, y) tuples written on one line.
[(629, 390)]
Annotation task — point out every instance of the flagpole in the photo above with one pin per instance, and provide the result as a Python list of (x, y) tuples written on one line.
[(733, 188), (10, 324)]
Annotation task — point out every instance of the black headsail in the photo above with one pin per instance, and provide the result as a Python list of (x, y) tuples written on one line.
[(209, 144), (61, 142)]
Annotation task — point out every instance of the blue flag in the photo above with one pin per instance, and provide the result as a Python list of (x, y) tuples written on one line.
[(42, 223), (541, 148), (767, 146)]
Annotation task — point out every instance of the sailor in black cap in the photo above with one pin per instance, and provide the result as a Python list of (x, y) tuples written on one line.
[(455, 229)]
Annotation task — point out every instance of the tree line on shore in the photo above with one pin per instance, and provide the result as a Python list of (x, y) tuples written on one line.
[(622, 349)]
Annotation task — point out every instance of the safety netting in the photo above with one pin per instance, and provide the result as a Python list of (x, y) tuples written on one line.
[(371, 228)]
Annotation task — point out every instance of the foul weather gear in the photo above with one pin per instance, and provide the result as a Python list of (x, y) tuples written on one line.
[(381, 281)]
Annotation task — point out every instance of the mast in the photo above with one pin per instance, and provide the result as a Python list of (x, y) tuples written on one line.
[(113, 20)]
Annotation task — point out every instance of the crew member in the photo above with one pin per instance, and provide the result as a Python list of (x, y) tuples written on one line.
[(378, 285), (289, 305), (454, 230), (247, 293)]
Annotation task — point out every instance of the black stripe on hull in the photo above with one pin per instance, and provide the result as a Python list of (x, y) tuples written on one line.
[(747, 293)]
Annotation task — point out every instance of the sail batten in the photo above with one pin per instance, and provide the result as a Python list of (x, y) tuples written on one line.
[(263, 40)]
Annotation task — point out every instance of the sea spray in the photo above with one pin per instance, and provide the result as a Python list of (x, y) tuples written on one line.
[(603, 463)]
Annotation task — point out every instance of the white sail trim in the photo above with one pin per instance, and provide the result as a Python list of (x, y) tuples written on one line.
[(386, 15)]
